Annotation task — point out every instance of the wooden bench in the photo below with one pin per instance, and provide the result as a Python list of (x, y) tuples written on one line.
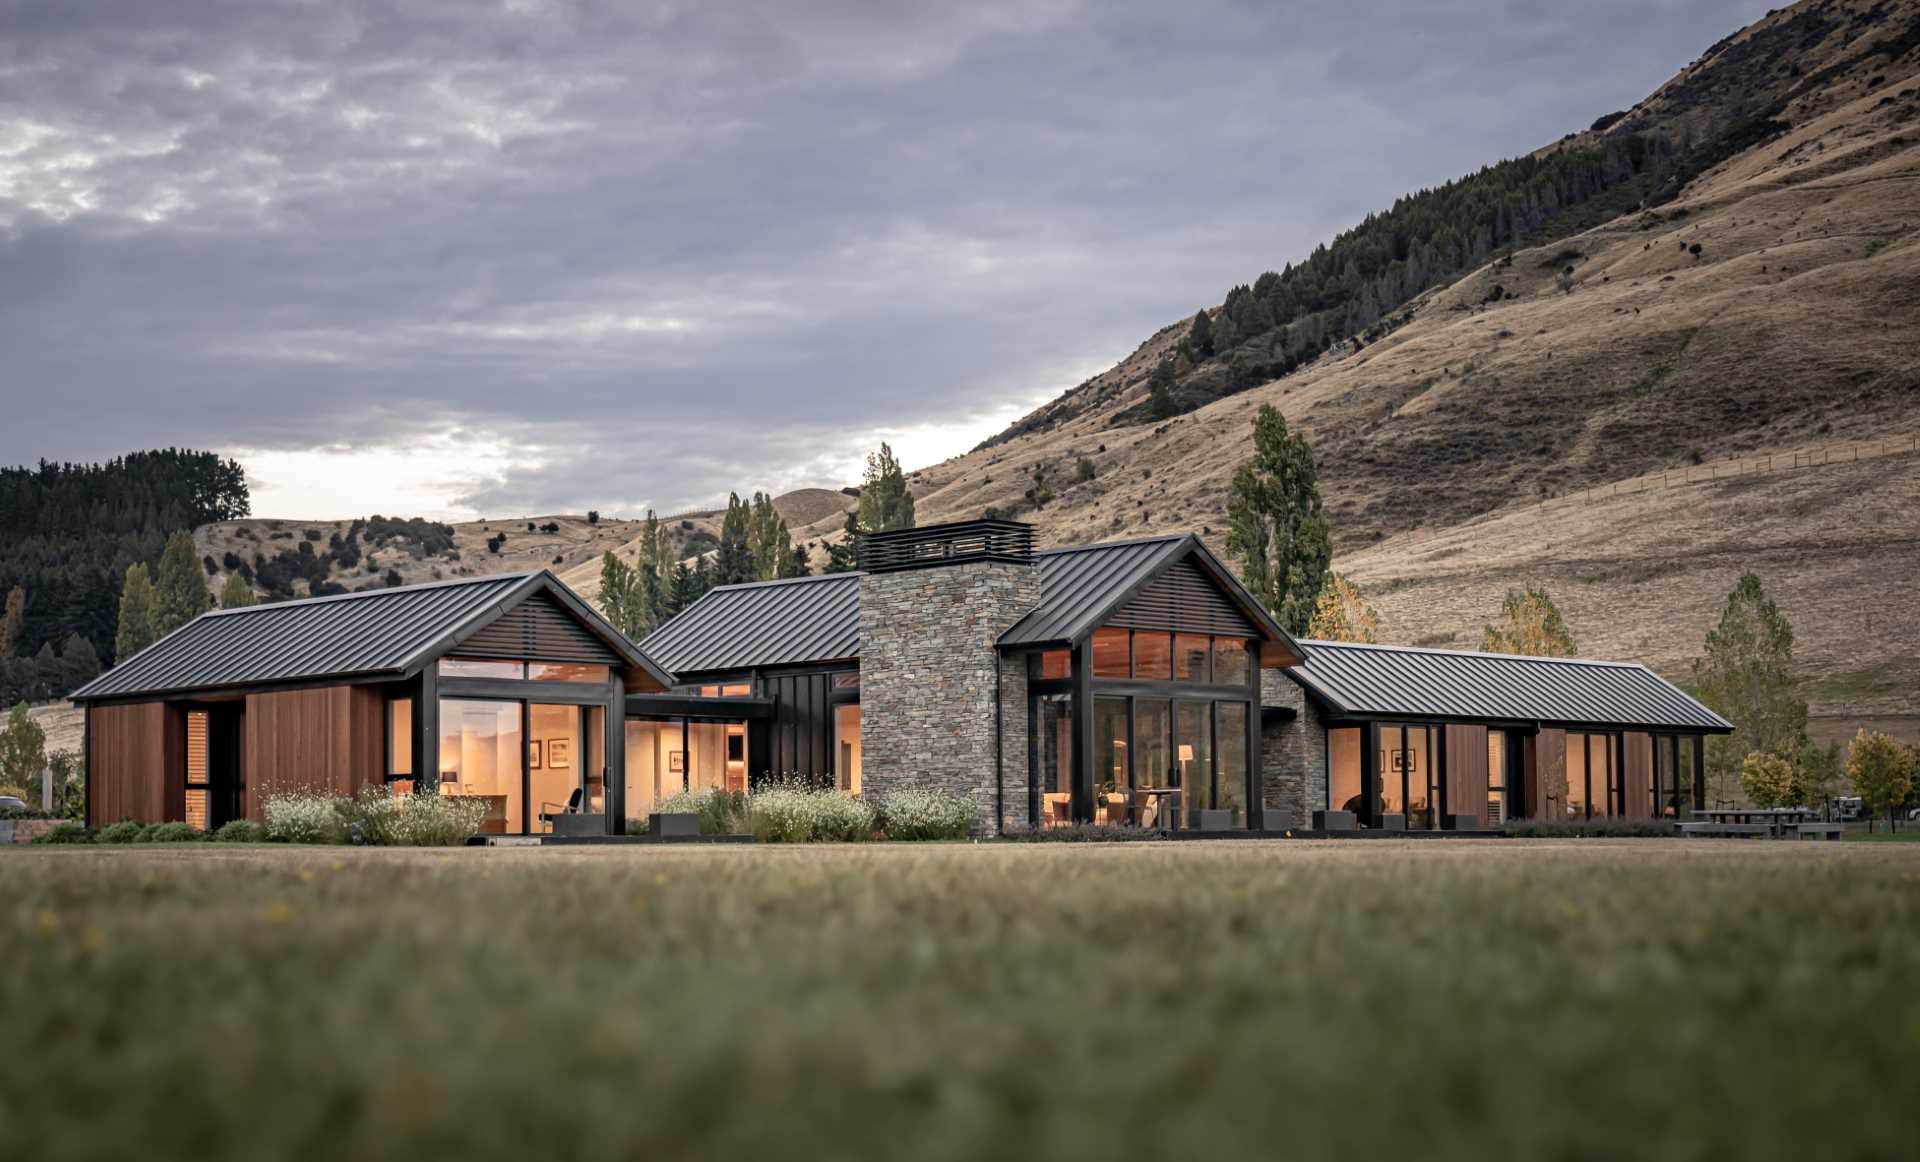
[(1725, 829)]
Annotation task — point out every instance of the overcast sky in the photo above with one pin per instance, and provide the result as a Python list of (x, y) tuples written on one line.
[(523, 257)]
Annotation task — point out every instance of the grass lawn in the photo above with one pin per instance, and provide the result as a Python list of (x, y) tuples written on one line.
[(1552, 999)]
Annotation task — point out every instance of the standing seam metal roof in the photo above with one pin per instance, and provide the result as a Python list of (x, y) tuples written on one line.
[(1410, 682), (1079, 585), (353, 635), (767, 623)]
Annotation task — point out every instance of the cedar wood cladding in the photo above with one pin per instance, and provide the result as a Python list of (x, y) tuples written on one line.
[(136, 767), (331, 738)]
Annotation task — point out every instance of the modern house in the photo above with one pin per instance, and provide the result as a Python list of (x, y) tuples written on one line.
[(1131, 683)]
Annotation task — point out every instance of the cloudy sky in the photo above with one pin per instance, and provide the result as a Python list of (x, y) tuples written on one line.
[(531, 256)]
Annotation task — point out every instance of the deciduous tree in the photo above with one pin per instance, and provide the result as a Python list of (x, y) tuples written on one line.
[(1530, 624), (1341, 614), (733, 560), (620, 598), (1882, 772), (1277, 528), (1767, 779), (23, 751), (1746, 676)]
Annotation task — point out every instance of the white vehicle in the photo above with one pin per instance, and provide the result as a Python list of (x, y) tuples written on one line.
[(1847, 808)]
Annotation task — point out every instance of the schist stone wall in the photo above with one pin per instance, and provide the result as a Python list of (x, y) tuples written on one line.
[(1293, 756), (927, 664)]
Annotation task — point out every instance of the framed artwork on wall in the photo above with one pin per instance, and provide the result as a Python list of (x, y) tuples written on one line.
[(533, 755), (560, 753), (676, 761)]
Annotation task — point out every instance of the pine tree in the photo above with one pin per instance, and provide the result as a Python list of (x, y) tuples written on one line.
[(733, 560), (886, 503), (79, 663), (1277, 528), (135, 632), (1746, 677), (236, 593), (1341, 614), (843, 556), (179, 589), (1160, 402), (796, 563), (1200, 335), (1530, 624)]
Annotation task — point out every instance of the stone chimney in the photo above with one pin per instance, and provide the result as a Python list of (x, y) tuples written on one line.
[(933, 602)]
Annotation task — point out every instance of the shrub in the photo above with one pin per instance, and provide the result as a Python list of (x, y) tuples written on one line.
[(67, 833), (797, 813), (240, 831), (305, 818), (384, 819), (1589, 829), (916, 814), (721, 812), (125, 831), (172, 833)]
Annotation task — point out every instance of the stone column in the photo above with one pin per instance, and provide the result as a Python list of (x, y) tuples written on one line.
[(1293, 756), (927, 669)]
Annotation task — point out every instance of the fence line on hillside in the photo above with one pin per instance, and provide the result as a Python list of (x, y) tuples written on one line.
[(1734, 468)]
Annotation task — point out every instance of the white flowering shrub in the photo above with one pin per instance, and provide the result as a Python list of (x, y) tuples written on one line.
[(721, 812), (919, 814), (305, 817), (390, 820), (793, 812)]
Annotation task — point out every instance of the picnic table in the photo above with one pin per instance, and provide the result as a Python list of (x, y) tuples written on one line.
[(1773, 822)]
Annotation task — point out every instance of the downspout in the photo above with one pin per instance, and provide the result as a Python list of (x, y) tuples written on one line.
[(999, 760)]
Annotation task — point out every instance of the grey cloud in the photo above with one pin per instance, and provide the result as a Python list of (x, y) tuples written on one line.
[(689, 243)]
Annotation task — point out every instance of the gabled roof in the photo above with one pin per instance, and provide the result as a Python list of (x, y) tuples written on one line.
[(1084, 586), (367, 636), (761, 624), (817, 619), (1409, 682)]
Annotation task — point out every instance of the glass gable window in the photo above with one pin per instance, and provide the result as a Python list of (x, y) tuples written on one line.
[(482, 668), (1191, 654), (1229, 661), (1153, 656), (1111, 655), (566, 672)]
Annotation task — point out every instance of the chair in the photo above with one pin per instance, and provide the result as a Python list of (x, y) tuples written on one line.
[(547, 812), (1119, 809)]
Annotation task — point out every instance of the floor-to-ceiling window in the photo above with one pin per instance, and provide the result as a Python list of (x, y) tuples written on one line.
[(1408, 778), (1593, 776), (1501, 755), (1344, 791), (1053, 758), (846, 742), (555, 762), (1112, 771), (481, 757)]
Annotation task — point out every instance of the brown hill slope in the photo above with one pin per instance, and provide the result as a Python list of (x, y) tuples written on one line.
[(1611, 352)]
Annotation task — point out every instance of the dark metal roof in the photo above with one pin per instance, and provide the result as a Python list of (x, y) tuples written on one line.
[(352, 637), (1408, 682), (768, 623)]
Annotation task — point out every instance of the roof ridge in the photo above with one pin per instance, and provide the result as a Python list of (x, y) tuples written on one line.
[(490, 578), (1387, 648), (1155, 539), (786, 581)]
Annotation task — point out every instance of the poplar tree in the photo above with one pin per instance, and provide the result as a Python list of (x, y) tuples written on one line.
[(135, 630), (886, 503), (620, 597), (769, 539), (179, 589), (733, 560), (1746, 677), (1276, 526), (1530, 624)]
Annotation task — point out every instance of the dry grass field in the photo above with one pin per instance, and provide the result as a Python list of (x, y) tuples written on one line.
[(1578, 1000)]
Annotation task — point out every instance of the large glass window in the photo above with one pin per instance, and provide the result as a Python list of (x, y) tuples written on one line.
[(1230, 778), (1110, 655), (1053, 743), (1193, 757), (1672, 792), (567, 672), (846, 741), (400, 738), (481, 757), (1112, 773), (1191, 658), (1229, 661), (1408, 784), (655, 766), (1152, 656), (1050, 664), (481, 668), (1593, 779), (1576, 776), (199, 771), (1497, 751), (1343, 772), (554, 757)]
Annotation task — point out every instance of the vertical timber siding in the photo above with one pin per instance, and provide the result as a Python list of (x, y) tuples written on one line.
[(1467, 772), (136, 763), (1636, 774), (328, 739)]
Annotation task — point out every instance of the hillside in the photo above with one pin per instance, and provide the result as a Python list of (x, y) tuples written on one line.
[(1607, 352)]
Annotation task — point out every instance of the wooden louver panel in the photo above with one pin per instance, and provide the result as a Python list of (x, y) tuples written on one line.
[(537, 628), (1184, 598)]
